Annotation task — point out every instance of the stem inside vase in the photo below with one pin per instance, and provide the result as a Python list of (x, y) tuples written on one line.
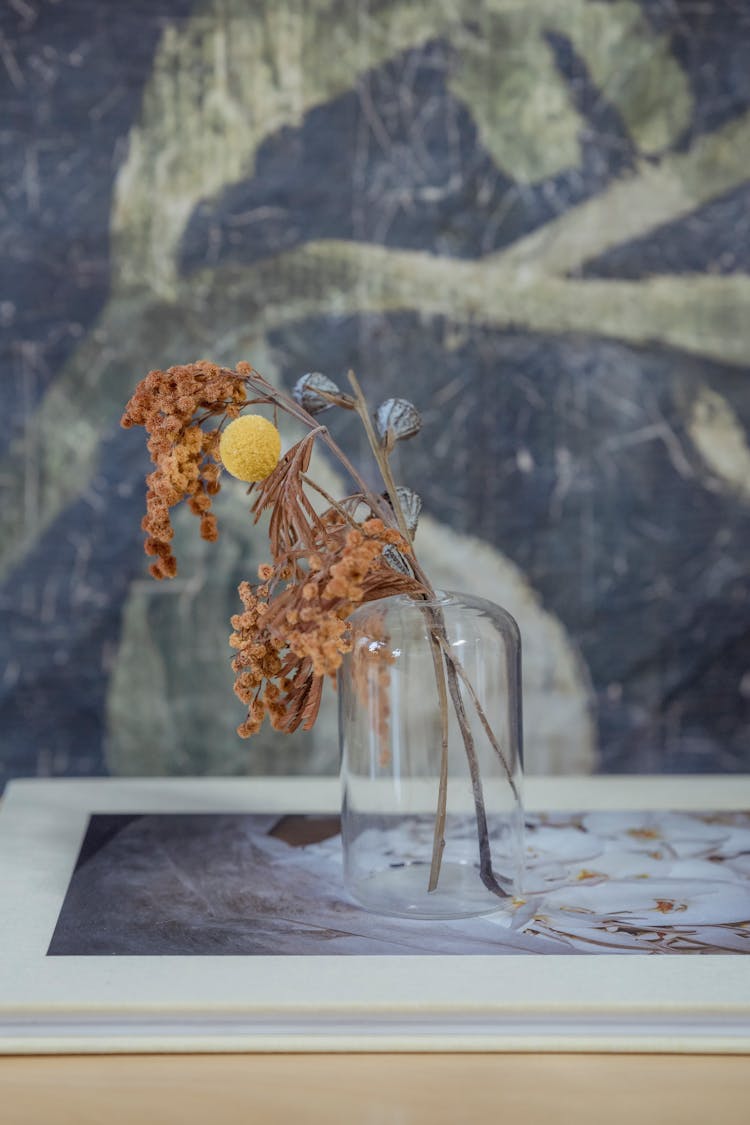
[(462, 858)]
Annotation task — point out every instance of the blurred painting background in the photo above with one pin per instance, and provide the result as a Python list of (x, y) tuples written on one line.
[(532, 217)]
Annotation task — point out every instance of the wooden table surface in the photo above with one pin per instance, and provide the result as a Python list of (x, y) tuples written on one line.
[(376, 1089)]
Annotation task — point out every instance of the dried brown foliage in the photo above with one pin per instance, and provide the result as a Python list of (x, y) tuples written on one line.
[(293, 630)]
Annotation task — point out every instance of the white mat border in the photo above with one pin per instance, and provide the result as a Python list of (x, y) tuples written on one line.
[(577, 1002)]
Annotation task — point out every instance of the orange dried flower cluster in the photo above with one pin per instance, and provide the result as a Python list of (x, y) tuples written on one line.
[(184, 455), (293, 630), (372, 659), (289, 643)]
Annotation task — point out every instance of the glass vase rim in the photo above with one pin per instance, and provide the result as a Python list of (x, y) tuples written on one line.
[(441, 599), (451, 602)]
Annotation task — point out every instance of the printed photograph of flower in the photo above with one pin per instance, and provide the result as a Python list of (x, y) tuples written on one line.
[(237, 884)]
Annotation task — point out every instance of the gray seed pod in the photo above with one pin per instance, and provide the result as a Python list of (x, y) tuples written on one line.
[(398, 417), (411, 505), (396, 560), (304, 392)]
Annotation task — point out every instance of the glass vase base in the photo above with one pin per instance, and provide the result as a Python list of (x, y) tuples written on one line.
[(401, 892)]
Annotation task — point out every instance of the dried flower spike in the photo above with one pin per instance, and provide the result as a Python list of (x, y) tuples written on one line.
[(250, 447), (184, 454), (305, 388), (397, 419)]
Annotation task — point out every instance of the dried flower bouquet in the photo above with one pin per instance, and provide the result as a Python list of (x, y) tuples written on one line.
[(293, 631)]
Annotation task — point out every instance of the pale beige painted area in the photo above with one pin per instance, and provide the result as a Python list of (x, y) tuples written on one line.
[(232, 76), (720, 438)]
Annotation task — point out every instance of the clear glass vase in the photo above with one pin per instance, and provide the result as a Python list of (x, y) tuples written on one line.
[(430, 731)]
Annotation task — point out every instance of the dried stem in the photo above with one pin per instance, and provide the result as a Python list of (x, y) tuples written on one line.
[(486, 873), (438, 639), (291, 407), (334, 503), (442, 658), (380, 456), (438, 842), (480, 712), (380, 453), (438, 642)]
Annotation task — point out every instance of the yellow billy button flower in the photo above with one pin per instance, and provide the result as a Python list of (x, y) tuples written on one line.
[(250, 447)]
